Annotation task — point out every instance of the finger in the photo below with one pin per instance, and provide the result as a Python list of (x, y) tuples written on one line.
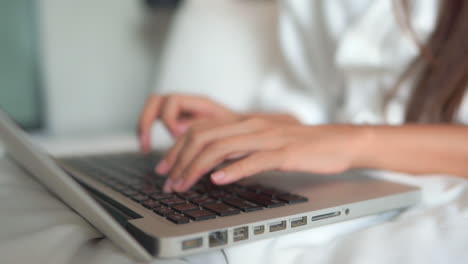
[(237, 155), (170, 112), (149, 114), (179, 111), (202, 106), (202, 136), (170, 157), (174, 155), (251, 165), (217, 152), (185, 124), (166, 163)]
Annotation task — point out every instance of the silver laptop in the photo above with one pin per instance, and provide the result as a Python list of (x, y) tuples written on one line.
[(121, 196)]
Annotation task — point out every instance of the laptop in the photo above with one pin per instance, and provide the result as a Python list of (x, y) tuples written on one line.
[(121, 195)]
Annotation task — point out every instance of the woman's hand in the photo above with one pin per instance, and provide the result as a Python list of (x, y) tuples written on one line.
[(258, 144), (178, 112)]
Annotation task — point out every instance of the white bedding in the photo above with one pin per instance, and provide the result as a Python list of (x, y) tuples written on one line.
[(38, 228)]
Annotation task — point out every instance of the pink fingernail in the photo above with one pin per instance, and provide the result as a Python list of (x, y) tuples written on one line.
[(163, 167), (178, 183), (182, 128), (167, 186), (218, 176)]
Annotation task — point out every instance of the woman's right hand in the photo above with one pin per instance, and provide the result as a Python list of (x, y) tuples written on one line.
[(178, 112)]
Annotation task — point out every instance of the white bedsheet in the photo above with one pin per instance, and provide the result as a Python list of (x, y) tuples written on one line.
[(35, 227)]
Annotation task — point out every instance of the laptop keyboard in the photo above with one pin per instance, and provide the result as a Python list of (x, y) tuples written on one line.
[(133, 176)]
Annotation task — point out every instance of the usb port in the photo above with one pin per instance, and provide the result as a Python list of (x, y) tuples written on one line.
[(276, 226), (258, 230), (299, 221), (241, 233), (192, 243), (218, 238)]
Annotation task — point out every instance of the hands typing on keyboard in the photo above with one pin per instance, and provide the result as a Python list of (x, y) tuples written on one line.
[(133, 176)]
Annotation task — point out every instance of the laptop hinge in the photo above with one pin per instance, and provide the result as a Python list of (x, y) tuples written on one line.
[(122, 215)]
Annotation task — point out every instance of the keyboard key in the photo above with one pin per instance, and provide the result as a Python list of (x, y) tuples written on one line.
[(160, 185), (158, 181), (204, 188), (203, 200), (222, 209), (233, 188), (149, 188), (181, 208), (200, 214), (172, 201), (219, 194), (163, 211), (273, 193), (188, 195), (257, 188), (261, 199), (244, 205), (150, 204), (161, 195), (292, 198), (253, 187), (177, 218)]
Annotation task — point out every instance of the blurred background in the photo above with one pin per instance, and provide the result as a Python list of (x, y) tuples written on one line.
[(84, 68)]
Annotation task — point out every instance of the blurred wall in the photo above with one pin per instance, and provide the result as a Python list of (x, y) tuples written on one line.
[(98, 59)]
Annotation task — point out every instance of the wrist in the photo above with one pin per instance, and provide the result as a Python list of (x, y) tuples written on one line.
[(364, 138)]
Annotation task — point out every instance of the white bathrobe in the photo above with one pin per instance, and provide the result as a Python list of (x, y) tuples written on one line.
[(342, 57)]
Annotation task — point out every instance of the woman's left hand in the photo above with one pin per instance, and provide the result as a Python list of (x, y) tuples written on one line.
[(259, 144)]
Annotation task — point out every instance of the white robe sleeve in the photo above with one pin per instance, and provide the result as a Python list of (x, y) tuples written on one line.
[(306, 82)]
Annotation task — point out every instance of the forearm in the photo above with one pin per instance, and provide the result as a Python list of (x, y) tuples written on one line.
[(418, 149), (278, 117)]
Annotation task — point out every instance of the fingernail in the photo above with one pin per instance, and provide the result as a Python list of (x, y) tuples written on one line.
[(163, 167), (218, 176), (178, 184), (167, 186), (182, 128)]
